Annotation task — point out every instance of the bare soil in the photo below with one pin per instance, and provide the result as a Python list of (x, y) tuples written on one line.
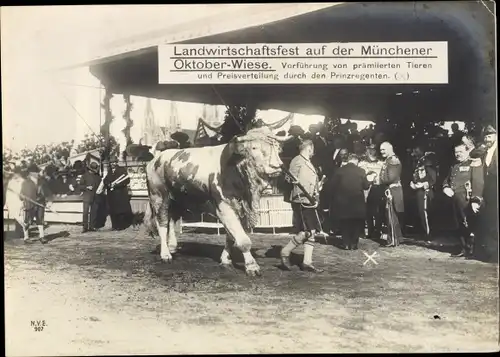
[(106, 293)]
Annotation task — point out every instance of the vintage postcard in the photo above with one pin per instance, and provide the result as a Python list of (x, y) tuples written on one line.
[(250, 178)]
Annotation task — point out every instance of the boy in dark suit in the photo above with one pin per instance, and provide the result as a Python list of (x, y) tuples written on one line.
[(348, 202)]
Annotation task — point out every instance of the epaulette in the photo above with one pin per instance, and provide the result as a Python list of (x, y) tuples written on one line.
[(393, 160), (476, 162)]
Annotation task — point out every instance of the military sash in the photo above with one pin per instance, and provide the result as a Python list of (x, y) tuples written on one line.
[(293, 180)]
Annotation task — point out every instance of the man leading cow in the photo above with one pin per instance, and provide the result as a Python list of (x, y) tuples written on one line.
[(305, 217)]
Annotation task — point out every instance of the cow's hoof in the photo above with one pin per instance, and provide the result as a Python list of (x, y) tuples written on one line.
[(253, 270), (227, 266), (167, 259)]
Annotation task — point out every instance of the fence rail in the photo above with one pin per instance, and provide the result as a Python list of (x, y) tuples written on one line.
[(273, 212)]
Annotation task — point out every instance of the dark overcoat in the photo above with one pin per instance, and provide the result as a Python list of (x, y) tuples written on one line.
[(348, 192), (118, 197), (89, 179)]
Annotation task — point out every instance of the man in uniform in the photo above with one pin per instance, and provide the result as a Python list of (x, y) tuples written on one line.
[(306, 220), (374, 195), (486, 247), (89, 182), (390, 179), (116, 183), (464, 186), (424, 179)]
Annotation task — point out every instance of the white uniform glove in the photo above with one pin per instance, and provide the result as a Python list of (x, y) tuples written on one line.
[(448, 192)]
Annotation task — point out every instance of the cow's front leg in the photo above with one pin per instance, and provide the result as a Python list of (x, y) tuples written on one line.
[(232, 224), (225, 258)]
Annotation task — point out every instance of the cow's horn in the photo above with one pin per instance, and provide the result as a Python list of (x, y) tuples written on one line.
[(282, 139)]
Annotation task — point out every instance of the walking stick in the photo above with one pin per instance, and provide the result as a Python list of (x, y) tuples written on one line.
[(291, 179), (312, 200), (34, 202)]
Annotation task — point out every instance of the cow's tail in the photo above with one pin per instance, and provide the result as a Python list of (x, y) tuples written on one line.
[(149, 219)]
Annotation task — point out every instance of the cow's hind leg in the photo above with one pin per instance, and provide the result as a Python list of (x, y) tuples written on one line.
[(232, 224), (225, 258), (172, 239)]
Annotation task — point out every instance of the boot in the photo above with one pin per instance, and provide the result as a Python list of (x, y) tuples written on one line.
[(307, 263), (285, 254), (463, 248), (26, 234), (354, 243), (42, 234)]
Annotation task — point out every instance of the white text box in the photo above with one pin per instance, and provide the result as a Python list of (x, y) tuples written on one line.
[(329, 63)]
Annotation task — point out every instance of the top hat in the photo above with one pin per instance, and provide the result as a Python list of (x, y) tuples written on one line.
[(489, 130)]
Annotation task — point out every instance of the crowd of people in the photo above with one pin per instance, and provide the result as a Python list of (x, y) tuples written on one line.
[(360, 180), (31, 191), (55, 160)]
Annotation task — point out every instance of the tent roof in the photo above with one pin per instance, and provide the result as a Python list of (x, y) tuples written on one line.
[(239, 16), (131, 65)]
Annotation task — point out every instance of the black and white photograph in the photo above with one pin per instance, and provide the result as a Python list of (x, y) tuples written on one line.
[(251, 178)]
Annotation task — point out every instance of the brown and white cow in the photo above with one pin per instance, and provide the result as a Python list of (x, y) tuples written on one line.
[(226, 179)]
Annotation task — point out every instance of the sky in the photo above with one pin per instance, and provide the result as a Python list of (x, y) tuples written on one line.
[(39, 108)]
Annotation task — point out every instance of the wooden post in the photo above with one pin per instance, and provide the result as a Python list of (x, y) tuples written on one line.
[(128, 125), (108, 118)]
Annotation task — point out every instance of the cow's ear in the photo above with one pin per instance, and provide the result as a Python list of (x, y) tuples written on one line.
[(236, 146)]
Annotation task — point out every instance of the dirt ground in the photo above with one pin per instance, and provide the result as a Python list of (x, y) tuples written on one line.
[(106, 293)]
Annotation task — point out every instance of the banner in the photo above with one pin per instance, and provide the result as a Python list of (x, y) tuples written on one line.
[(328, 63)]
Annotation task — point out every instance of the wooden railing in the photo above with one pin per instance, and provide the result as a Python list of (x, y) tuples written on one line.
[(273, 212)]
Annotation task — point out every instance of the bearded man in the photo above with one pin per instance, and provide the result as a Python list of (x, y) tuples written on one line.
[(464, 186), (486, 245), (390, 178)]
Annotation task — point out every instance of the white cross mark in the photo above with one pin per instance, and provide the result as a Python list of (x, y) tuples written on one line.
[(370, 257)]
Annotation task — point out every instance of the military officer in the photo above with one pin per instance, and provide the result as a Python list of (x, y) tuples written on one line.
[(487, 237), (305, 217), (390, 179), (89, 183), (424, 179), (374, 195), (464, 186)]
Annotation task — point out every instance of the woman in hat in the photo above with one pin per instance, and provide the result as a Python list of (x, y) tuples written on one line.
[(116, 183)]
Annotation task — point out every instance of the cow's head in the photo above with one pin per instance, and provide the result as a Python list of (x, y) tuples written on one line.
[(261, 149), (256, 161)]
